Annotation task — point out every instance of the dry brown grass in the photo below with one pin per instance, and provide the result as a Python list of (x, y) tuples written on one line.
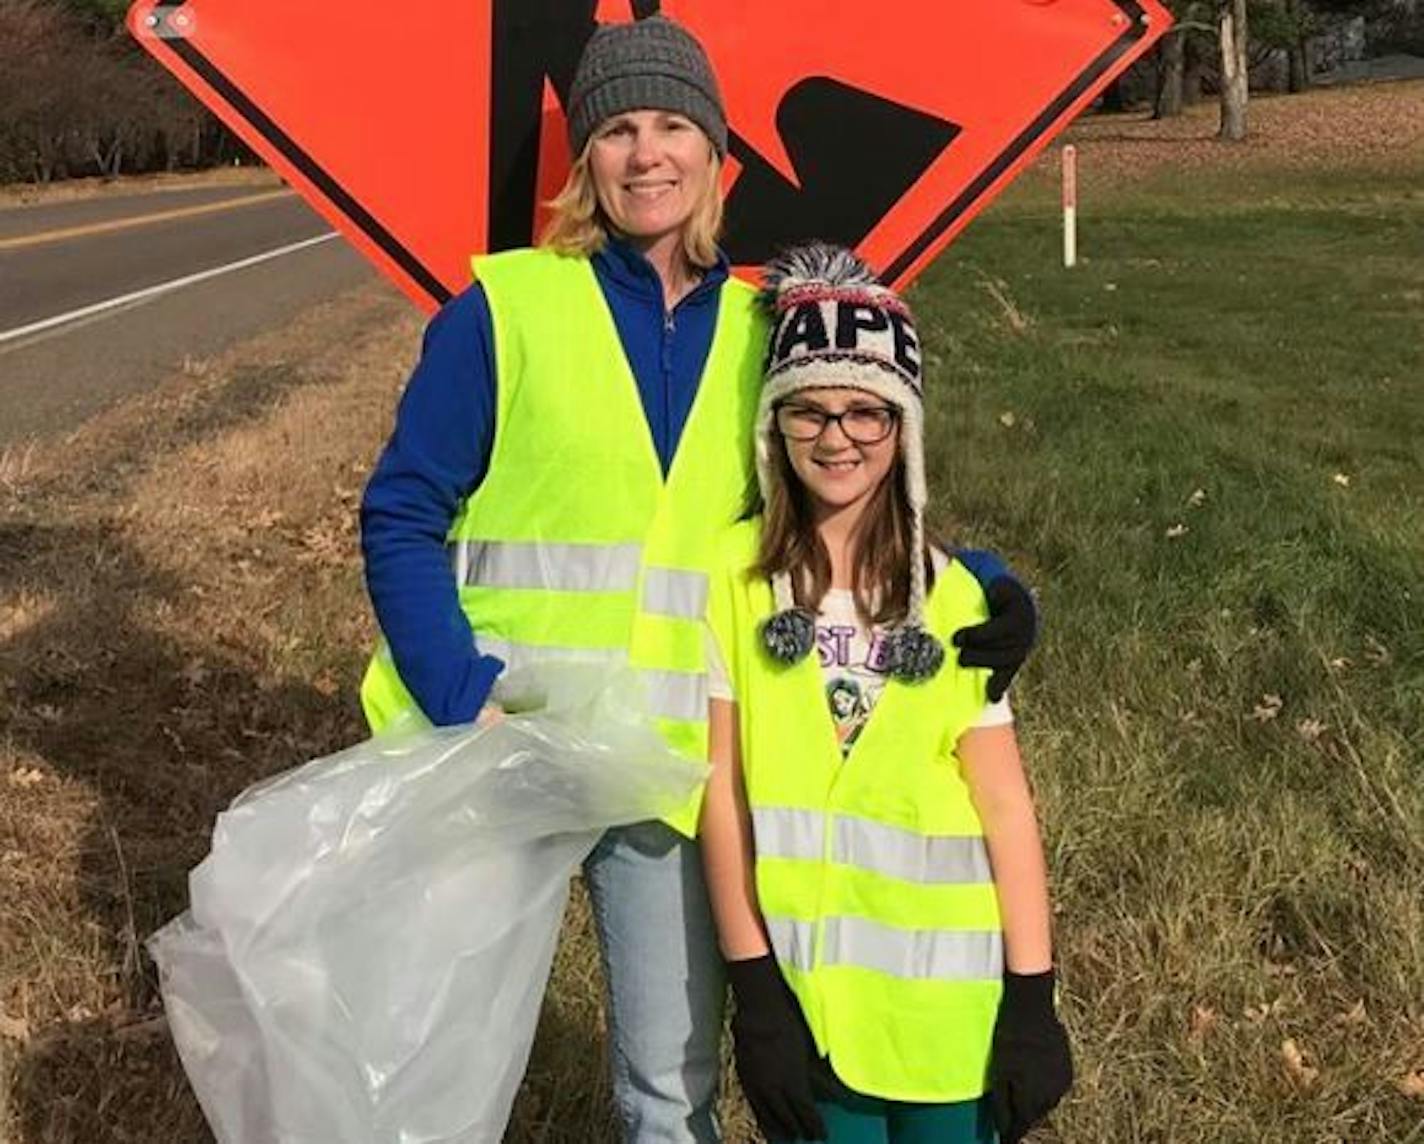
[(182, 616), (181, 613), (72, 190)]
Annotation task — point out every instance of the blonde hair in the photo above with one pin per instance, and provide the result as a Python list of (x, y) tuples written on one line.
[(578, 225)]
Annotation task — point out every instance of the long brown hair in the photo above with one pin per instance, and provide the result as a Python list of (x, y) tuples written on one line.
[(880, 568)]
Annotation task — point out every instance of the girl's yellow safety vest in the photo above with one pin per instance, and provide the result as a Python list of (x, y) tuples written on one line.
[(871, 871), (574, 547)]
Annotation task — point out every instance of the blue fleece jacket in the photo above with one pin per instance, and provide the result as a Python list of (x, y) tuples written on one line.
[(440, 451)]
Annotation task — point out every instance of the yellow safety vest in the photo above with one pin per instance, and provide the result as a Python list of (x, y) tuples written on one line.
[(574, 547), (871, 871)]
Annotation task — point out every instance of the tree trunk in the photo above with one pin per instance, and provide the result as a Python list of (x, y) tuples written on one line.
[(1170, 73), (1299, 78), (1113, 100), (1298, 72), (1235, 67)]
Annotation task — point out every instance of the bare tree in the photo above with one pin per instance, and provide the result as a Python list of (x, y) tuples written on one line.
[(1235, 69), (1179, 62), (1171, 62), (1300, 26), (78, 97)]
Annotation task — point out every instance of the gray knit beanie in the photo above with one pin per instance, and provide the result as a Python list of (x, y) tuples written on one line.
[(652, 63)]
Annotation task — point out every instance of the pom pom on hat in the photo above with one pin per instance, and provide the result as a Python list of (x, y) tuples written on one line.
[(789, 636), (913, 655)]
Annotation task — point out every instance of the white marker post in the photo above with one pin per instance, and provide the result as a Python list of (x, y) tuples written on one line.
[(1070, 206)]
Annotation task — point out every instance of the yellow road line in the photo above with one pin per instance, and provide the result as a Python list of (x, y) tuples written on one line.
[(139, 220)]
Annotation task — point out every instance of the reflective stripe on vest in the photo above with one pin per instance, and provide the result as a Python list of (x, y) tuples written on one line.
[(785, 832), (579, 568), (554, 567), (923, 955)]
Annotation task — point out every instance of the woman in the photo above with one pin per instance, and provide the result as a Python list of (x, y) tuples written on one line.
[(576, 434)]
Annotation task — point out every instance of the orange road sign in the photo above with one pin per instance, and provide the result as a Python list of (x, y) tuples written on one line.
[(426, 134)]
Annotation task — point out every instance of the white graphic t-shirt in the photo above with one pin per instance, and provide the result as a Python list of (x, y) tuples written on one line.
[(853, 666)]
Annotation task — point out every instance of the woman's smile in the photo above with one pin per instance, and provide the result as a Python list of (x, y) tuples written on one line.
[(649, 168)]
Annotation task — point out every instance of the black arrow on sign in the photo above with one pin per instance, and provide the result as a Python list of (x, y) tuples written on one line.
[(856, 155), (531, 40)]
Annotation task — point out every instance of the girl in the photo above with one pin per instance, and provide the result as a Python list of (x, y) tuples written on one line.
[(875, 869)]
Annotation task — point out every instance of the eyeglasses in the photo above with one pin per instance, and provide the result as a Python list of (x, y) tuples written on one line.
[(863, 424)]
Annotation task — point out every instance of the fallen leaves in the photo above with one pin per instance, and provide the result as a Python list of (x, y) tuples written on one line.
[(1259, 1014), (13, 1028), (1355, 1015), (1268, 708), (1411, 1084), (1342, 479), (1341, 127), (1204, 1018), (25, 777), (24, 614), (1176, 531), (1376, 652), (194, 673), (1298, 1068)]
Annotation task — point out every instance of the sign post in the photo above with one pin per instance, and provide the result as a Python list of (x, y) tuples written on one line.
[(1070, 206)]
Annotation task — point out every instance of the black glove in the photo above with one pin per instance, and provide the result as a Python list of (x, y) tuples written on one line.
[(1003, 641), (1032, 1066), (773, 1050)]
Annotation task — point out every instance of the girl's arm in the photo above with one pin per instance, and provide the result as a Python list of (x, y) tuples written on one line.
[(726, 838), (1032, 1065), (997, 784)]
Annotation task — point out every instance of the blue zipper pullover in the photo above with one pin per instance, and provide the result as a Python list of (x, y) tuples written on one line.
[(440, 451)]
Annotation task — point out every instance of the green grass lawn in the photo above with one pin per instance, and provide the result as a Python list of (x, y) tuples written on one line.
[(1203, 447)]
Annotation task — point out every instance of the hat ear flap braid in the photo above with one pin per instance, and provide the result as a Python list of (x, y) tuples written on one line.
[(915, 654)]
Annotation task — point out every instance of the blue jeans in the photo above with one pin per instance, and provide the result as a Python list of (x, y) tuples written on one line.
[(665, 982)]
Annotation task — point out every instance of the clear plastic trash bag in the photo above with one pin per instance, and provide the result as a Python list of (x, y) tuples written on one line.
[(369, 940)]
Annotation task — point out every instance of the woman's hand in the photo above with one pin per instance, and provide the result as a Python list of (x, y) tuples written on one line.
[(1003, 641)]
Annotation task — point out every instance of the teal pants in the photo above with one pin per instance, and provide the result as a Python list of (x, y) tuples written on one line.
[(854, 1119)]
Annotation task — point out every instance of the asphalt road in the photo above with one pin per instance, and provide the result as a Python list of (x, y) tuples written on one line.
[(61, 258)]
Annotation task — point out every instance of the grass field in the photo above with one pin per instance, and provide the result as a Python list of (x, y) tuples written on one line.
[(1202, 446)]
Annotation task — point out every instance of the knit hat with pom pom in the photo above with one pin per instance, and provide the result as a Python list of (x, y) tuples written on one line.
[(834, 325)]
